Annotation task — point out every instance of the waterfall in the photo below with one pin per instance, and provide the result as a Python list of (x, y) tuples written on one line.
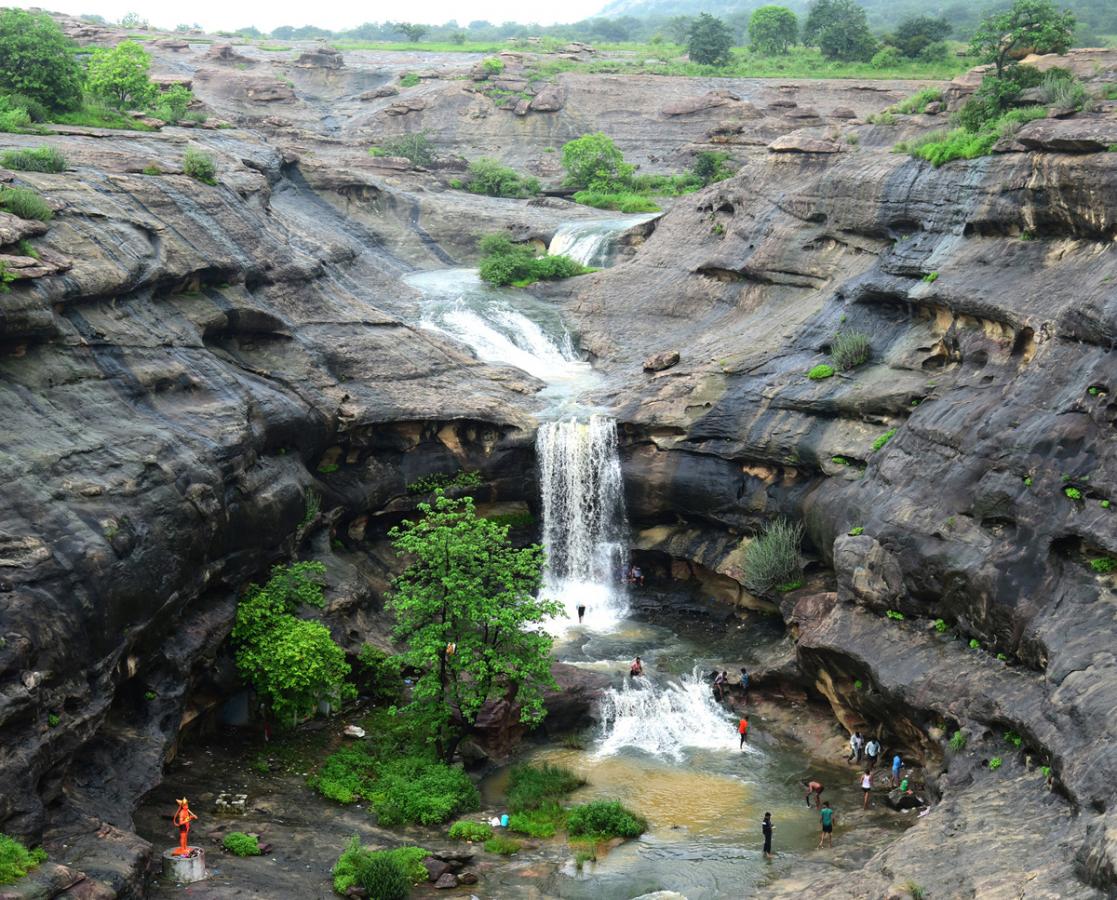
[(584, 526), (665, 720), (591, 242)]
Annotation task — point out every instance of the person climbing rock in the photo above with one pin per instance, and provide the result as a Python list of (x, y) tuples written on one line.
[(637, 667), (856, 746), (872, 751), (897, 764), (826, 817), (581, 612), (743, 731), (719, 685), (745, 682), (766, 828), (866, 788), (816, 788)]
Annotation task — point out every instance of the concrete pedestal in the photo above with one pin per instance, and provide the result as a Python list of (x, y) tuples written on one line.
[(185, 869)]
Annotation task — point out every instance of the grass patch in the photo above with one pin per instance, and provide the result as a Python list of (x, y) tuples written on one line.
[(624, 201), (384, 874), (957, 741), (941, 147), (602, 820), (502, 845), (772, 558), (470, 831), (489, 177), (918, 102), (410, 80), (883, 439), (442, 481), (820, 372), (93, 115), (941, 626), (854, 532), (506, 263), (25, 203), (240, 844), (995, 763), (538, 823), (16, 860), (535, 787), (1103, 565), (42, 159), (849, 349), (415, 148)]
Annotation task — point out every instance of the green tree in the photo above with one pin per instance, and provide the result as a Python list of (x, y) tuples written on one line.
[(413, 32), (37, 60), (1035, 26), (119, 76), (840, 29), (292, 663), (773, 29), (593, 162), (709, 41), (678, 28), (823, 13), (467, 610), (917, 33)]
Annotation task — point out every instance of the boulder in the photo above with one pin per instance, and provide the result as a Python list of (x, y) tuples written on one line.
[(406, 105), (550, 99), (447, 881), (264, 90), (709, 100), (321, 58), (901, 800), (224, 53), (802, 112), (842, 112), (467, 878), (665, 359), (436, 868), (14, 229), (175, 44), (1069, 136), (934, 108), (803, 143), (354, 731), (29, 267), (386, 90)]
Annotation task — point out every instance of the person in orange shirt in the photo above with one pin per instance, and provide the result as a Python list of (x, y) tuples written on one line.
[(743, 731)]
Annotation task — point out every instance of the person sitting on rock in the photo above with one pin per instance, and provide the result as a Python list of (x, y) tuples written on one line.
[(637, 576), (637, 668)]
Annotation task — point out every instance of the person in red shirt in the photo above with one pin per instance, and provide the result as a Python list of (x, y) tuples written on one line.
[(743, 731)]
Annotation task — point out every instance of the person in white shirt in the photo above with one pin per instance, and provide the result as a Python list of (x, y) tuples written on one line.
[(872, 751), (866, 788)]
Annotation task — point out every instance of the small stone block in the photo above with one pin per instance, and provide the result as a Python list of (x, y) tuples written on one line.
[(185, 869)]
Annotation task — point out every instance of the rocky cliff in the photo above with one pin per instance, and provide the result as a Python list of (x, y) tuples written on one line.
[(200, 380)]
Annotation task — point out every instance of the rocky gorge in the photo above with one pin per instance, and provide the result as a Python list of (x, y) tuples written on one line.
[(186, 364)]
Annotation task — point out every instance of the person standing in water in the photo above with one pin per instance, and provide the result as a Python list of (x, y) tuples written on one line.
[(826, 817), (766, 828), (816, 788), (637, 668), (743, 731), (581, 612)]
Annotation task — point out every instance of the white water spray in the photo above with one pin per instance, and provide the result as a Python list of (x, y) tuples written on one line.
[(584, 527), (665, 720), (591, 242)]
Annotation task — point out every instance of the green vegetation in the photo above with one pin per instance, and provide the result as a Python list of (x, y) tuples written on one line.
[(170, 105), (931, 277), (415, 791), (840, 30), (384, 874), (378, 674), (857, 685), (1046, 770), (593, 162), (957, 741), (119, 76), (413, 32), (328, 468), (475, 832), (24, 203), (995, 763), (507, 263), (42, 159), (601, 820), (941, 147), (312, 505), (975, 644), (37, 61), (1073, 493), (918, 102), (789, 586), (849, 349), (199, 166), (773, 29), (1103, 565), (442, 481), (240, 844), (54, 720), (502, 845), (893, 614), (772, 558), (16, 860), (840, 461), (622, 201), (292, 663), (489, 177), (1104, 504), (709, 41), (1013, 738), (534, 787), (538, 823), (1028, 481), (493, 65), (941, 626), (821, 371), (883, 439), (150, 695), (6, 278), (468, 613), (915, 891), (1033, 26), (513, 520), (416, 148), (410, 80), (854, 532)]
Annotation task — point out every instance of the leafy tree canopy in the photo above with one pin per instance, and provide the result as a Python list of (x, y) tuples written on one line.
[(37, 60), (915, 34), (1030, 26), (467, 610), (593, 162), (840, 29), (773, 29), (413, 32), (709, 41), (119, 76)]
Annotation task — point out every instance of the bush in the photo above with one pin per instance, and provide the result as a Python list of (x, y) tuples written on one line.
[(709, 41), (917, 103), (604, 819), (532, 787), (820, 372), (915, 34), (382, 877), (37, 60), (199, 166), (594, 163), (849, 349), (353, 868), (710, 166), (854, 532), (408, 81), (241, 844), (940, 626), (16, 860), (470, 831), (995, 763), (885, 58), (773, 29), (1064, 92), (378, 674), (417, 791), (489, 177), (941, 147), (415, 148), (507, 263), (772, 558), (893, 614), (492, 65), (39, 112), (119, 76), (440, 480), (883, 439), (623, 201), (25, 203), (13, 119), (1103, 565), (43, 159), (170, 105), (957, 741), (502, 845), (6, 278)]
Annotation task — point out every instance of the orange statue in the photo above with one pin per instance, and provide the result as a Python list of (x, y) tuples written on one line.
[(183, 818)]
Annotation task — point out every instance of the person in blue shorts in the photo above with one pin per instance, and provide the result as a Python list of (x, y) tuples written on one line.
[(826, 817), (897, 764)]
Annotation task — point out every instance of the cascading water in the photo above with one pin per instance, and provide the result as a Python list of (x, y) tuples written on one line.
[(584, 526), (665, 720), (593, 242)]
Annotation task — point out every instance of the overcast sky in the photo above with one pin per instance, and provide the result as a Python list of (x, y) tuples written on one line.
[(215, 15)]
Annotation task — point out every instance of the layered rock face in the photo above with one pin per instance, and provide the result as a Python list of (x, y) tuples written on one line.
[(963, 474)]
